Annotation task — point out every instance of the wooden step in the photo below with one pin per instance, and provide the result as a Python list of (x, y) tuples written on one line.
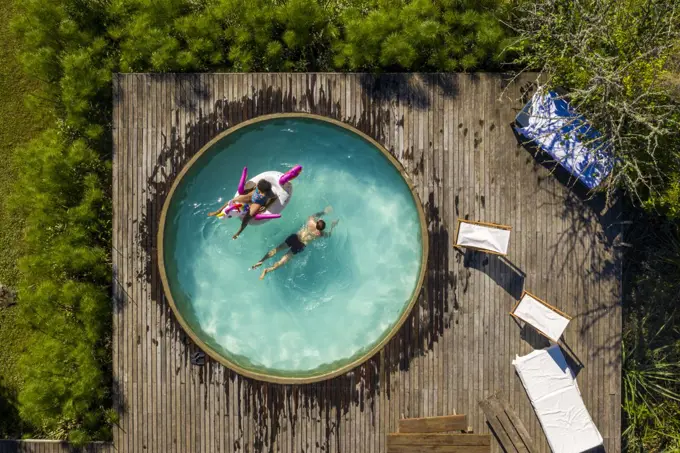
[(438, 443), (433, 424), (506, 425)]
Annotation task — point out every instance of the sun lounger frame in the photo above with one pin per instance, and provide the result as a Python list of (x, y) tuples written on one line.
[(551, 307), (486, 224)]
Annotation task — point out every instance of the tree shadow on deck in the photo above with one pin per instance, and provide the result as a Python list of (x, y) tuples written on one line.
[(591, 240), (499, 268), (275, 408), (412, 89)]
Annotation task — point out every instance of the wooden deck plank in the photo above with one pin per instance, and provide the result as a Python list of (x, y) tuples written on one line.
[(467, 182), (167, 350), (150, 218), (432, 439), (130, 357), (498, 428), (117, 133), (436, 424), (506, 425), (434, 366), (480, 147), (121, 160), (138, 349), (143, 247), (430, 374), (459, 272)]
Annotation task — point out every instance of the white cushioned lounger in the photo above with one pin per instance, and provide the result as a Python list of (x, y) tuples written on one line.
[(487, 237), (556, 398), (547, 319)]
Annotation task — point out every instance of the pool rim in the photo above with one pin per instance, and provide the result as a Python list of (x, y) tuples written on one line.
[(271, 378)]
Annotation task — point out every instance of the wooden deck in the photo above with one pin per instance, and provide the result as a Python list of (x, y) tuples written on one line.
[(452, 133)]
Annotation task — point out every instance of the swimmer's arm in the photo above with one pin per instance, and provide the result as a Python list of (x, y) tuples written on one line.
[(320, 214), (333, 225)]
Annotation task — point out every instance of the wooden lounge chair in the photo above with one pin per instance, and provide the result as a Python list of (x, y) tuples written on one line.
[(546, 319), (487, 237), (553, 391)]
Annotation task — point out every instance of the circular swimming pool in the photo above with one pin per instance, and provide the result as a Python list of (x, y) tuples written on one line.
[(332, 305)]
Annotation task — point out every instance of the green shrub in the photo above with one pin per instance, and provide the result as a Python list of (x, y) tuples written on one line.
[(239, 35), (651, 337), (423, 35), (64, 287)]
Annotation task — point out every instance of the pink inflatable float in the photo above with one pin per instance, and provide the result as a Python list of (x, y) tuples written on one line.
[(281, 186)]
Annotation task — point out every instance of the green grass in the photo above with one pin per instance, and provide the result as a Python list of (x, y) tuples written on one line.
[(17, 125)]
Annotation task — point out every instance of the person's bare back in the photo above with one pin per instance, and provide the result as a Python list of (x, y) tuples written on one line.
[(310, 231), (313, 229)]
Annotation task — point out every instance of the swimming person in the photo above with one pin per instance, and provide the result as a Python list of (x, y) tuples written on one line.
[(260, 199), (297, 242)]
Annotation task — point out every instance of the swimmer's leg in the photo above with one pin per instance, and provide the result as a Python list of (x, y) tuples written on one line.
[(254, 207), (270, 254), (278, 264)]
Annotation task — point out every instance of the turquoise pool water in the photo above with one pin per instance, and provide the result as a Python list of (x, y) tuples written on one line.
[(336, 299)]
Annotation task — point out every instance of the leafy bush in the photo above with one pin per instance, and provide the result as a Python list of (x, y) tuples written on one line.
[(240, 35), (425, 35), (651, 347), (64, 283), (616, 60), (308, 35)]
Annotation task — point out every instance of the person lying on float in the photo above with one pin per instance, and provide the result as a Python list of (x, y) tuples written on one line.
[(254, 198)]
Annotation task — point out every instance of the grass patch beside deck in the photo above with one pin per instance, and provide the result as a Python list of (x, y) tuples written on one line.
[(17, 126)]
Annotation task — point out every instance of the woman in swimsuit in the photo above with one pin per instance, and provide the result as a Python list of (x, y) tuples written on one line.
[(297, 242), (255, 201)]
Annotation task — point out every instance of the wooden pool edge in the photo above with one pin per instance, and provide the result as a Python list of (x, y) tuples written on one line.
[(415, 295)]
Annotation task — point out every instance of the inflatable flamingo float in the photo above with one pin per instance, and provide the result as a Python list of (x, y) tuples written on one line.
[(281, 186)]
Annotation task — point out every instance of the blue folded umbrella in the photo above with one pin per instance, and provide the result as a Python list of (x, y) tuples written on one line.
[(557, 129)]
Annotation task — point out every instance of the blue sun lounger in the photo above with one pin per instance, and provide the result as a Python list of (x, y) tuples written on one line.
[(551, 123)]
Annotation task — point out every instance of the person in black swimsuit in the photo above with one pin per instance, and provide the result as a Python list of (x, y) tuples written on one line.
[(313, 229)]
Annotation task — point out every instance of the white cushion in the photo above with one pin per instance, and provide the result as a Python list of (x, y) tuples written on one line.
[(483, 237), (542, 317), (555, 396)]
